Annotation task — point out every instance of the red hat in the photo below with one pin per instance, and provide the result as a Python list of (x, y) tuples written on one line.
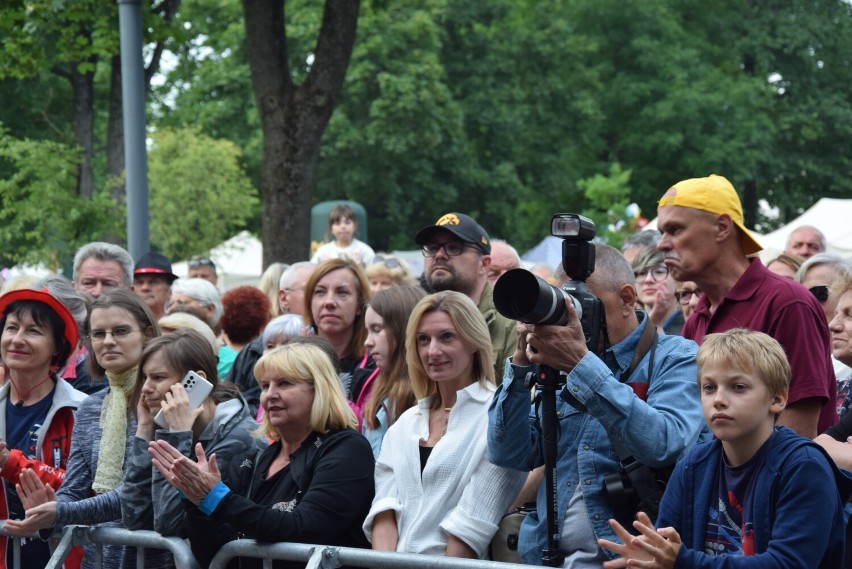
[(43, 296)]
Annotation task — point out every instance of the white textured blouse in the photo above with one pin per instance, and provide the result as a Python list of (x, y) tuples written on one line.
[(460, 492)]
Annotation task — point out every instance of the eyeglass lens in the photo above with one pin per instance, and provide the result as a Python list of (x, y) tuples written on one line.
[(451, 248), (657, 273)]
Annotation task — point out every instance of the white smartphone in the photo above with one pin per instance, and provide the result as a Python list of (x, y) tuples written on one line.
[(197, 389)]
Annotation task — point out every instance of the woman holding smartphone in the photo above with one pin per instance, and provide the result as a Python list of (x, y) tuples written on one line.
[(221, 423)]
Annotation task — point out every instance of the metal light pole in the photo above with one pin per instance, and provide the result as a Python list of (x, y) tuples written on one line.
[(133, 107)]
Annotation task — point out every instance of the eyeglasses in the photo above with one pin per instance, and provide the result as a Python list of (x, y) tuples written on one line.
[(451, 248), (820, 292), (118, 334), (389, 262), (658, 273), (685, 296), (197, 262)]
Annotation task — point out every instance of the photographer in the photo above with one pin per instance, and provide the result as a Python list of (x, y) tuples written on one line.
[(654, 414)]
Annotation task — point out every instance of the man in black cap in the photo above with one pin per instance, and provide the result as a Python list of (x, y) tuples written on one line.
[(152, 280), (456, 251)]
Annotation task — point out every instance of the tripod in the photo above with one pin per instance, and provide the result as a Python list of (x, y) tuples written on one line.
[(548, 381)]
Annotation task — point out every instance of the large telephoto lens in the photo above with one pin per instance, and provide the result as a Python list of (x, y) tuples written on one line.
[(520, 295)]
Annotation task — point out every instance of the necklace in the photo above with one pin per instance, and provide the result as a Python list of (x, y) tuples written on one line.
[(446, 420), (21, 398)]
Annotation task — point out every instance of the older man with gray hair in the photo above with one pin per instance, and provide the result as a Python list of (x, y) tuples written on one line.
[(291, 287), (100, 266), (805, 241)]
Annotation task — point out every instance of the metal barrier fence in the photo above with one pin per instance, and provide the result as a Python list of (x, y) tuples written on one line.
[(141, 540), (316, 556), (16, 545), (328, 557)]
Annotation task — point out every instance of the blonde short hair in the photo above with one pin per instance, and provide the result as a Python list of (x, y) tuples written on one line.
[(470, 326), (305, 363), (390, 266), (753, 352)]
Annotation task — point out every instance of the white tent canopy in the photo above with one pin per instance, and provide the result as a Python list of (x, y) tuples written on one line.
[(239, 261), (831, 216)]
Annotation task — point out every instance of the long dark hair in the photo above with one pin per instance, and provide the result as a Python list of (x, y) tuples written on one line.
[(394, 305)]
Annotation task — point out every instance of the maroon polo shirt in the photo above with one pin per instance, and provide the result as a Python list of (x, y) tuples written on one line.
[(787, 311)]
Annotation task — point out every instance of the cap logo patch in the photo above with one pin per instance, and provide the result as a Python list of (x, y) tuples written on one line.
[(672, 192), (448, 219)]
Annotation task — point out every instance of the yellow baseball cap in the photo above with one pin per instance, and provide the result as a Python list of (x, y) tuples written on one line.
[(713, 194)]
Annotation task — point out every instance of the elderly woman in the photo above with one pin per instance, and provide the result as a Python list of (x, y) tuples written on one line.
[(314, 484), (36, 405), (817, 274), (388, 270), (436, 492)]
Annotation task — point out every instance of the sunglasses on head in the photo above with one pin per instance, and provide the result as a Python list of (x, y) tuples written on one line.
[(820, 292), (197, 262), (389, 262)]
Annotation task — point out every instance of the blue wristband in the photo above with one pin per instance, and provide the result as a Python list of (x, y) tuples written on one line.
[(210, 502)]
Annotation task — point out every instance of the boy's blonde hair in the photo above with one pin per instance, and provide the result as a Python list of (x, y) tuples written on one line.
[(753, 352)]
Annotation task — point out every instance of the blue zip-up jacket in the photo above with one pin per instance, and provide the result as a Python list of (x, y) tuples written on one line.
[(656, 418), (797, 509)]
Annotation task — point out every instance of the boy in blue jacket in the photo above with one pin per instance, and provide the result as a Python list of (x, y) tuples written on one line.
[(756, 496)]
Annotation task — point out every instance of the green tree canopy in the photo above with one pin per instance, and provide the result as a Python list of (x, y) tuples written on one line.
[(199, 194)]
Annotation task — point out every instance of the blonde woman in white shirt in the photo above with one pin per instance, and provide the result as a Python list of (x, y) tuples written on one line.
[(436, 492)]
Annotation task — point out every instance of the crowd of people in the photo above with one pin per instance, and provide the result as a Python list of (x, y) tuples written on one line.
[(353, 403)]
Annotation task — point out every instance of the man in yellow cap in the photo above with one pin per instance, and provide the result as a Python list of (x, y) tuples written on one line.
[(705, 241)]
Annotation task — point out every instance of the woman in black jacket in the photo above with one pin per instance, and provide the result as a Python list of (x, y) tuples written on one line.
[(314, 484)]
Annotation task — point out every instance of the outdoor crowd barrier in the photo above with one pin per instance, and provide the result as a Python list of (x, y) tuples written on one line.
[(16, 546), (141, 539), (316, 556)]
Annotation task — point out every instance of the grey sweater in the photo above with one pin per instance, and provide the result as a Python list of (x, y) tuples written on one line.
[(77, 505), (148, 501)]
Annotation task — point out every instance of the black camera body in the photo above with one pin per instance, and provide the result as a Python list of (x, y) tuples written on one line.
[(522, 296)]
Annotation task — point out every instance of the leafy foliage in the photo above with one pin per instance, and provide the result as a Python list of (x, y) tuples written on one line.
[(199, 195), (42, 219)]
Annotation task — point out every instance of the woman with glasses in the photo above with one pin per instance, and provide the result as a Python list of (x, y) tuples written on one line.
[(36, 405), (687, 295), (386, 271), (120, 325), (656, 290)]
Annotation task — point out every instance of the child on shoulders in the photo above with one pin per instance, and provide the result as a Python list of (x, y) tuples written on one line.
[(758, 492), (343, 225)]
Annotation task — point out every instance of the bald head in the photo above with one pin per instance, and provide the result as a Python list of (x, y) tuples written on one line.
[(503, 258), (805, 241)]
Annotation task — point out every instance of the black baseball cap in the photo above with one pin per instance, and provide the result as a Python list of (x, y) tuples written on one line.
[(462, 226)]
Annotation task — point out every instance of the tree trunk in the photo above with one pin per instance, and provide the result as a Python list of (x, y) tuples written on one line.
[(293, 118), (83, 89), (115, 132)]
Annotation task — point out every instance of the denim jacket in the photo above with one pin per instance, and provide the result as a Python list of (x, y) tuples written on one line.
[(593, 406)]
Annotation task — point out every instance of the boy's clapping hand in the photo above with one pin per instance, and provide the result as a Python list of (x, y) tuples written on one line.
[(653, 549)]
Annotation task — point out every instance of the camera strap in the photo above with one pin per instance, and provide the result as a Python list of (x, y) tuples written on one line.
[(646, 486)]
